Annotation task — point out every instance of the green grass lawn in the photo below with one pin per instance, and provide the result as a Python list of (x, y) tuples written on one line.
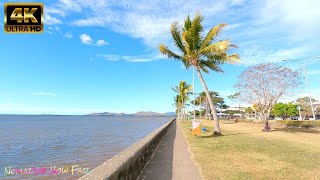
[(245, 152)]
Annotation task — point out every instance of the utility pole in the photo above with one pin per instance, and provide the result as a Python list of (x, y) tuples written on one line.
[(306, 77), (311, 103), (299, 108), (194, 97)]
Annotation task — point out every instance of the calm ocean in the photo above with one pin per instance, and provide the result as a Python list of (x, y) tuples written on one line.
[(64, 147)]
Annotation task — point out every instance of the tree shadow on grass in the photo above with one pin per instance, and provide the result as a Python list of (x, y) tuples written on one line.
[(213, 135), (297, 130)]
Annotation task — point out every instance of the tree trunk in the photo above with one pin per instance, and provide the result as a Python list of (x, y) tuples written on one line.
[(267, 128), (217, 130), (255, 115), (178, 112), (206, 105), (200, 106), (182, 109)]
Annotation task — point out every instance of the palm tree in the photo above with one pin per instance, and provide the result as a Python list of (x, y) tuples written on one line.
[(177, 104), (203, 54), (183, 91)]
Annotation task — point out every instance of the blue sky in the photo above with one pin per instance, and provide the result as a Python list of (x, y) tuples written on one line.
[(102, 55)]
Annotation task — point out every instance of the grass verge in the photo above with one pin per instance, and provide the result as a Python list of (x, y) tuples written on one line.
[(245, 152)]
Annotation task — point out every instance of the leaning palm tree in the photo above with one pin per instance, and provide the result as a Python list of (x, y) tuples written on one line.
[(201, 53), (183, 90)]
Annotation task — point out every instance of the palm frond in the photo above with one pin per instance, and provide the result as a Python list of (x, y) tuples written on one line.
[(186, 43), (165, 51), (186, 61), (194, 32), (233, 59), (220, 47), (217, 58), (214, 32), (175, 89), (176, 35), (205, 53), (187, 23), (204, 69), (213, 65)]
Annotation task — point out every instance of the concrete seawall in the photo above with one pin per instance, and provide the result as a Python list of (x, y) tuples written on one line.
[(129, 163)]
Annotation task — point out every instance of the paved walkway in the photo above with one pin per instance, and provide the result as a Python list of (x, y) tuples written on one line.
[(171, 160)]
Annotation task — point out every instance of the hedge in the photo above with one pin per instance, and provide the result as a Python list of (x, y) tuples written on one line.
[(295, 123)]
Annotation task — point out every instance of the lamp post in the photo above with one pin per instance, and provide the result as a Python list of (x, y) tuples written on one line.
[(194, 98), (299, 109), (306, 77), (311, 103)]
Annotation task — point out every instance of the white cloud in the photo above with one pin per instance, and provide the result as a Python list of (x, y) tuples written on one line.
[(50, 32), (89, 22), (315, 93), (56, 11), (70, 5), (43, 94), (257, 54), (314, 72), (68, 35), (52, 29), (299, 15), (141, 58), (86, 39), (141, 19), (101, 43), (111, 57), (279, 27), (49, 20)]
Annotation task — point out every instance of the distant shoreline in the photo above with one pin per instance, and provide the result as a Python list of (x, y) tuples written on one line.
[(126, 115)]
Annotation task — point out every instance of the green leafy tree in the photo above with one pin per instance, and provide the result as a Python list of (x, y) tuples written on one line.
[(217, 100), (318, 110), (232, 112), (197, 112), (234, 97), (285, 110), (249, 110), (203, 52), (304, 103)]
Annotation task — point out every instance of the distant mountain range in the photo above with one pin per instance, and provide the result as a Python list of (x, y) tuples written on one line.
[(141, 113)]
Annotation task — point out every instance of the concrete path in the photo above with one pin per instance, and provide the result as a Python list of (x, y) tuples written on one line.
[(172, 159)]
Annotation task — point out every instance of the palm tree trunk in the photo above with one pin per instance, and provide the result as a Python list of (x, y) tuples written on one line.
[(206, 108), (200, 114), (183, 113), (217, 130)]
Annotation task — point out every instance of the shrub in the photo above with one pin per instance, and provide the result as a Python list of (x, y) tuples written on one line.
[(304, 124)]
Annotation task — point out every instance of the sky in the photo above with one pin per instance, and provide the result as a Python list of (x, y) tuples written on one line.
[(102, 55)]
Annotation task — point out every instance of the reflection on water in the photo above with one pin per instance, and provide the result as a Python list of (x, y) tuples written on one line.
[(66, 141)]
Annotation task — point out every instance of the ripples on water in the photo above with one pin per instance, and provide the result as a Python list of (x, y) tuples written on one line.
[(87, 141)]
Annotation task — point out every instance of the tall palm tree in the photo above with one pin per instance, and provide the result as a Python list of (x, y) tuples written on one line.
[(177, 104), (183, 90), (203, 54)]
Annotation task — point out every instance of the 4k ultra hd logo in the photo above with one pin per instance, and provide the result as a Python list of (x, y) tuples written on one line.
[(23, 17)]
